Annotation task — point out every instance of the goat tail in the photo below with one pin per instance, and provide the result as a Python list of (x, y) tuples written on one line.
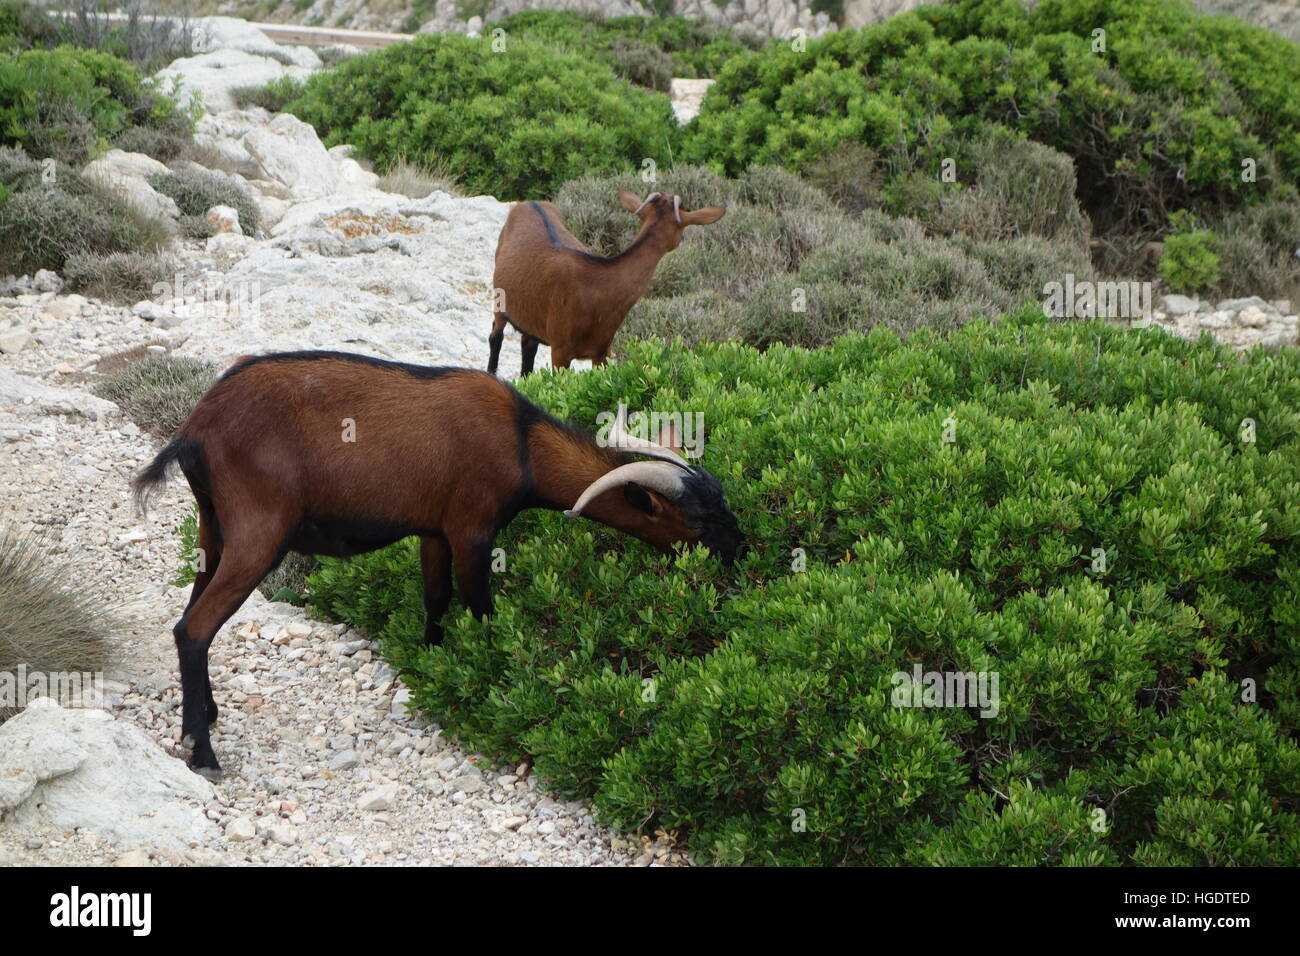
[(154, 474)]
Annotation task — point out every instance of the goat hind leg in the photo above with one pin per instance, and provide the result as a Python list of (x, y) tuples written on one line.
[(528, 348), (240, 570), (494, 340)]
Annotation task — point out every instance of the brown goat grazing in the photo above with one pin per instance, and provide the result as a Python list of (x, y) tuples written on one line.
[(337, 454), (557, 292)]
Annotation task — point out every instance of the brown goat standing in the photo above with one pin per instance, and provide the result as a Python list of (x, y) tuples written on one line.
[(337, 454), (557, 292)]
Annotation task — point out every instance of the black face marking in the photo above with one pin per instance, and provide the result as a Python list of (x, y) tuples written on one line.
[(704, 506)]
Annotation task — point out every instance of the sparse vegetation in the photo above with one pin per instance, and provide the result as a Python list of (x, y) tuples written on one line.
[(418, 179), (46, 622), (158, 391), (196, 190), (49, 214)]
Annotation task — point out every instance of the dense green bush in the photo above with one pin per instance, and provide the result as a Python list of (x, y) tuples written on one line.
[(1188, 261), (1124, 732), (787, 264), (67, 102), (515, 124), (46, 223), (692, 48), (1163, 118)]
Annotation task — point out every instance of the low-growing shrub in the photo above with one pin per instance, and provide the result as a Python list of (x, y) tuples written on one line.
[(47, 623), (1259, 251), (118, 277), (1189, 262), (418, 180), (1071, 508), (642, 64), (850, 174), (158, 391), (514, 124), (47, 222), (273, 97), (196, 190)]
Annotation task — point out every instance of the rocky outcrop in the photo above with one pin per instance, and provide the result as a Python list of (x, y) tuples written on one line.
[(85, 770), (28, 396), (127, 174)]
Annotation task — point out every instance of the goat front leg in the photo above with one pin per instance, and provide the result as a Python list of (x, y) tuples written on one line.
[(435, 564)]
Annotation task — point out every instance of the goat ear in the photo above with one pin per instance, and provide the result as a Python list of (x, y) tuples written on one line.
[(702, 217), (630, 200), (669, 438), (640, 498)]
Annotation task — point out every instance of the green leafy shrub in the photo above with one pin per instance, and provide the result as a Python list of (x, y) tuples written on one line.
[(44, 623), (1189, 262), (158, 391), (63, 103), (274, 96), (47, 223), (196, 190), (515, 124), (688, 48), (1162, 118), (732, 703), (787, 264)]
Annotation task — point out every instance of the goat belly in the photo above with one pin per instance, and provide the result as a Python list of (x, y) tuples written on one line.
[(344, 537)]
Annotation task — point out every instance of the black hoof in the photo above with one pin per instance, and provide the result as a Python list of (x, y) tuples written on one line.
[(204, 762), (212, 774)]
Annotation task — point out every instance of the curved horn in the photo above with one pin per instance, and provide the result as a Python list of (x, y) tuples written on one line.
[(677, 209), (655, 475), (619, 438), (648, 200)]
